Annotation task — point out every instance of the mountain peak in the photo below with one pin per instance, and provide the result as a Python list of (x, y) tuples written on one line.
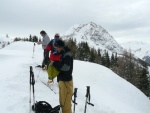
[(92, 24), (94, 35)]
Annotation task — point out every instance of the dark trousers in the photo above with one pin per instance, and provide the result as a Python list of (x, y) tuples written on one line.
[(46, 58)]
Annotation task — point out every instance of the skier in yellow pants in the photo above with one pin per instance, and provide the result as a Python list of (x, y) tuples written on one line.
[(65, 67)]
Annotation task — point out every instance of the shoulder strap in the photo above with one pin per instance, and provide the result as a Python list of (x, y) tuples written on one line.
[(44, 102), (55, 109)]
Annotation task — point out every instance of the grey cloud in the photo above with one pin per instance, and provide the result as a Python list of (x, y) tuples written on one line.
[(120, 18)]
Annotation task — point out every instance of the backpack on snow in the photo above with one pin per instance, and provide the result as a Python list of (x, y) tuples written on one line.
[(44, 107)]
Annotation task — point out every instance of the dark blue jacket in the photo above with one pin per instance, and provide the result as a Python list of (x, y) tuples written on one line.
[(65, 66)]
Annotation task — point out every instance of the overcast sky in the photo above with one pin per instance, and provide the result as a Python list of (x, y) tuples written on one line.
[(123, 19)]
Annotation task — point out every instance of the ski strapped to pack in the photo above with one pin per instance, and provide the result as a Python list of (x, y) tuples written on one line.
[(32, 83), (74, 101), (88, 97)]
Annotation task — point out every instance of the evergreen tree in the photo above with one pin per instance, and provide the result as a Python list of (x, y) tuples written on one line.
[(26, 39), (112, 60), (143, 82), (17, 39), (107, 60), (30, 38), (83, 51), (116, 60), (35, 39), (102, 61), (92, 55), (72, 45), (98, 56)]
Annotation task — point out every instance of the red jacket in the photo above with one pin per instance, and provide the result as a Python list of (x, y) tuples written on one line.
[(53, 56)]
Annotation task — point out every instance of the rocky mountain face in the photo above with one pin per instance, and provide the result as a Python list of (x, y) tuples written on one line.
[(94, 35)]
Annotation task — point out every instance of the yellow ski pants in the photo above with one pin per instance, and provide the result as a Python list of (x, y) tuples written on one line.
[(65, 95)]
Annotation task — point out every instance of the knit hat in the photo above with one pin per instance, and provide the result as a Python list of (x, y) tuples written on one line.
[(57, 35), (59, 44)]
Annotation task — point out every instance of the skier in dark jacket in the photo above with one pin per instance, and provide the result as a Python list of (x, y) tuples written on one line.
[(65, 66)]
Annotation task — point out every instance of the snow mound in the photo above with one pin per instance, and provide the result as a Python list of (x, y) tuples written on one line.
[(109, 92)]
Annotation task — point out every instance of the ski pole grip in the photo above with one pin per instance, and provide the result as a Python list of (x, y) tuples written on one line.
[(30, 74), (75, 92), (87, 91), (30, 68), (32, 81)]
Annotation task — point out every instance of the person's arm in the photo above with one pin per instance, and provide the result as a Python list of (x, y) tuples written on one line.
[(49, 46), (38, 43), (65, 66)]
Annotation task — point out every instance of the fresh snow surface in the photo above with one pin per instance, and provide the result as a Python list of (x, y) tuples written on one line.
[(109, 92)]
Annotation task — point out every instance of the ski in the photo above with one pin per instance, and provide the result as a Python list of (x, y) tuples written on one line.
[(39, 66), (48, 86)]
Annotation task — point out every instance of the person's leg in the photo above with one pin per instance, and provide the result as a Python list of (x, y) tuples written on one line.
[(43, 64), (65, 95), (45, 59)]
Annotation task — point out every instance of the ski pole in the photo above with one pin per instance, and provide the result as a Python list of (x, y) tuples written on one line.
[(33, 50), (47, 86), (33, 83), (74, 101), (87, 98), (30, 90)]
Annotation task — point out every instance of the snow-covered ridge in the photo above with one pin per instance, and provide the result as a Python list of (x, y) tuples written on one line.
[(4, 41), (109, 92), (139, 49), (95, 35)]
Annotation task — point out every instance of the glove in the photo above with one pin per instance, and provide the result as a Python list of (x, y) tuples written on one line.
[(38, 43)]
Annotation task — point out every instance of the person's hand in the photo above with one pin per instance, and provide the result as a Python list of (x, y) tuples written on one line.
[(38, 43)]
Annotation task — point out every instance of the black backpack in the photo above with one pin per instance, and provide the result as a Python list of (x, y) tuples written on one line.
[(44, 107)]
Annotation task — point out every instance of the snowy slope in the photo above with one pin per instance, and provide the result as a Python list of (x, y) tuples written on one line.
[(95, 35), (109, 92), (4, 41), (139, 49)]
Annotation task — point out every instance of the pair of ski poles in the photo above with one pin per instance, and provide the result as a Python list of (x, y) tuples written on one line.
[(32, 83), (88, 97)]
